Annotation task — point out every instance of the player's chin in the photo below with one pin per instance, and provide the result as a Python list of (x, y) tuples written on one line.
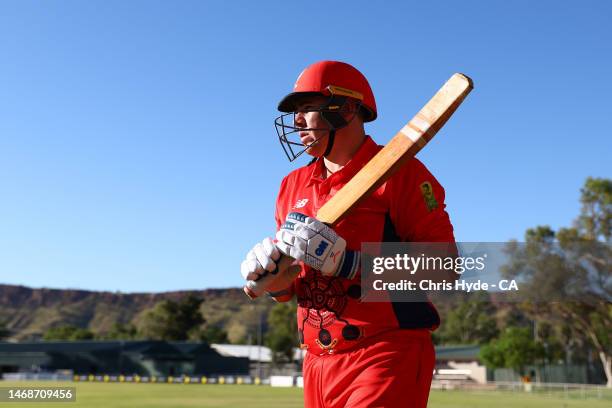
[(315, 151), (315, 148)]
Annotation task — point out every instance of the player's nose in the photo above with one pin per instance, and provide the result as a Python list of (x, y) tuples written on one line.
[(299, 120)]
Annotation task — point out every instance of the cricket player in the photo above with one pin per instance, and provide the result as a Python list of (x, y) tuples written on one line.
[(359, 354)]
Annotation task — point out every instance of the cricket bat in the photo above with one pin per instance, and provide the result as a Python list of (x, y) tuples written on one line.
[(404, 145)]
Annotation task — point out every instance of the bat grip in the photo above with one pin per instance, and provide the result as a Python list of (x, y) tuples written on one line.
[(278, 280)]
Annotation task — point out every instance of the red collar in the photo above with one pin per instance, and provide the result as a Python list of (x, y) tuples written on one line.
[(366, 151)]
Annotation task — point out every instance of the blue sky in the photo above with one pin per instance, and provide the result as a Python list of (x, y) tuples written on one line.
[(137, 147)]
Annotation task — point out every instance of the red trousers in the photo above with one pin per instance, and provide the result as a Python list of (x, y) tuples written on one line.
[(391, 370)]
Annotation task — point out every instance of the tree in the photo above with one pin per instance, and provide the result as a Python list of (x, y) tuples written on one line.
[(68, 333), (282, 332), (514, 349), (470, 322), (213, 334), (567, 274), (595, 220), (246, 325), (121, 331), (173, 321)]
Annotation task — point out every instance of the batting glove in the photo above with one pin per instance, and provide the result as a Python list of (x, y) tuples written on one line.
[(260, 260), (308, 240)]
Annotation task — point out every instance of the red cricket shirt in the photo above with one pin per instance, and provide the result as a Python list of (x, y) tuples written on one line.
[(409, 207)]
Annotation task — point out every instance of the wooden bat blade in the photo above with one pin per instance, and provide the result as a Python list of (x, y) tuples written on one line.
[(404, 145)]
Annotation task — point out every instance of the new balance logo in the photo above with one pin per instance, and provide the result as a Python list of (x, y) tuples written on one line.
[(334, 256), (300, 203)]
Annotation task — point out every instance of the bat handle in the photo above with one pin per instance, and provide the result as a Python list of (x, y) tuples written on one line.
[(276, 281)]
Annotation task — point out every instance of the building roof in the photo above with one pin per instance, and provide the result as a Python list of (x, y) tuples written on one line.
[(443, 353), (189, 347), (457, 353), (155, 348), (253, 353), (145, 348), (60, 346)]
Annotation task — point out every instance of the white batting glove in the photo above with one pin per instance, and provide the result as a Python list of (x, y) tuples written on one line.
[(260, 260), (308, 240)]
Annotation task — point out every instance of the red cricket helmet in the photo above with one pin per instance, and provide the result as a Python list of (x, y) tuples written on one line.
[(332, 78)]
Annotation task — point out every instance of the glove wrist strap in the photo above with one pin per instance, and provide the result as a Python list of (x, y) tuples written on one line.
[(349, 266)]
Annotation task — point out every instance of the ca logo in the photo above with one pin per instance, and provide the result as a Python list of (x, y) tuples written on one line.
[(322, 247)]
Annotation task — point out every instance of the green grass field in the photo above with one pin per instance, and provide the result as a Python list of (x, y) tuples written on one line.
[(110, 395)]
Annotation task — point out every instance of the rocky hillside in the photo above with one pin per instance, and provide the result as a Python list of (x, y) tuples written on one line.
[(28, 312)]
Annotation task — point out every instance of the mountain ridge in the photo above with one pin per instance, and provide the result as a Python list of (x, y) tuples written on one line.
[(28, 312)]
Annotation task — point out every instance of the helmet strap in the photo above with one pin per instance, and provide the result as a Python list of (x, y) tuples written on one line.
[(330, 142), (335, 120)]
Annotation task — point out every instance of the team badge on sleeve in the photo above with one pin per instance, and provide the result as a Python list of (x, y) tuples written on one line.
[(428, 196)]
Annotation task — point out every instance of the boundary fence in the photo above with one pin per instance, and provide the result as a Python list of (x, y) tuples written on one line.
[(563, 390), (557, 390)]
